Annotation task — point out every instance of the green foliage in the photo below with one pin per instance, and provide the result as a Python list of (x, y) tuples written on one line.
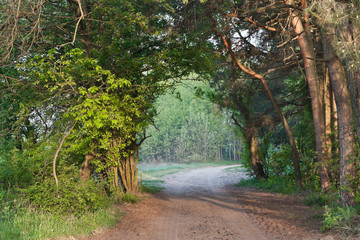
[(279, 162), (16, 170), (71, 196), (345, 219), (189, 130)]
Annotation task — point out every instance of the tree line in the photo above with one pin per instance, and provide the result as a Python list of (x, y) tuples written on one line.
[(189, 128)]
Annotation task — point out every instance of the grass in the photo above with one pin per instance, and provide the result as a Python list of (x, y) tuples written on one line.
[(28, 224), (283, 185), (236, 169), (345, 219), (151, 186), (320, 199), (130, 198)]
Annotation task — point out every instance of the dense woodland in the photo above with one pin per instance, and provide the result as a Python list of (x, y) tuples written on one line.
[(85, 84), (189, 128)]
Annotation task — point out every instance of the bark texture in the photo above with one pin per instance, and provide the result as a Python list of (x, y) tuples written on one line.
[(254, 154), (127, 167), (345, 119), (86, 167)]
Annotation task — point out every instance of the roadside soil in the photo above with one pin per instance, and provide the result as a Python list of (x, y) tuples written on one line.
[(203, 204)]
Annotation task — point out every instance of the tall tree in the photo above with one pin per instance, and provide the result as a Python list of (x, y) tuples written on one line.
[(345, 108), (308, 53)]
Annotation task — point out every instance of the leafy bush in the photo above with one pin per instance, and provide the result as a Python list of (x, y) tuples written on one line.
[(279, 162), (69, 197), (345, 219), (15, 169)]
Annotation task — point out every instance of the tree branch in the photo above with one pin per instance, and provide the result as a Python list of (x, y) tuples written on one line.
[(58, 151)]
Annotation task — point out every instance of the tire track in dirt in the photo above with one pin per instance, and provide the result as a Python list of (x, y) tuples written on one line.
[(194, 205), (211, 213)]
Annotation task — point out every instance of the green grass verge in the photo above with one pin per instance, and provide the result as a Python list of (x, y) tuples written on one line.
[(236, 169), (130, 198), (30, 225), (151, 186), (321, 199), (283, 185)]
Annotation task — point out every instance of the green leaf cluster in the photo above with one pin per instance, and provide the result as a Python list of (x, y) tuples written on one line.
[(71, 197)]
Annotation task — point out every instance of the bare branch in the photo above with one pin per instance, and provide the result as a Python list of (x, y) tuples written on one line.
[(77, 24)]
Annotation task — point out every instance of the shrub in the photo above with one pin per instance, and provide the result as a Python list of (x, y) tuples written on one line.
[(345, 219), (71, 196)]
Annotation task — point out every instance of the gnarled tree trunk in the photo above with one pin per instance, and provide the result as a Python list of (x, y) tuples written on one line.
[(128, 172), (86, 167), (254, 152)]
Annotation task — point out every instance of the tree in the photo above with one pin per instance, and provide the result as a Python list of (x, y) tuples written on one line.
[(348, 151), (310, 65), (130, 50)]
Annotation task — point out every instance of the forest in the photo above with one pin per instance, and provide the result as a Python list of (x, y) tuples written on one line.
[(91, 88)]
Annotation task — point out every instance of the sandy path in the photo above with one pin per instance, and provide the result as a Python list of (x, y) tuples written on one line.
[(194, 205)]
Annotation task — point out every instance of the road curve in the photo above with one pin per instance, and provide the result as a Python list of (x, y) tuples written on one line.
[(194, 205)]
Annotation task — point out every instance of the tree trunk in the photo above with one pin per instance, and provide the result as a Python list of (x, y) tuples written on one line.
[(354, 87), (307, 51), (128, 172), (328, 119), (86, 167), (345, 120), (353, 74), (254, 153), (334, 120)]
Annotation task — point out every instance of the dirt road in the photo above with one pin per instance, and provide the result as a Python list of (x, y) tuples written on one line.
[(194, 205)]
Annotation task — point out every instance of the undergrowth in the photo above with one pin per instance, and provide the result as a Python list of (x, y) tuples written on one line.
[(47, 211), (27, 223), (130, 198), (284, 184), (345, 219)]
